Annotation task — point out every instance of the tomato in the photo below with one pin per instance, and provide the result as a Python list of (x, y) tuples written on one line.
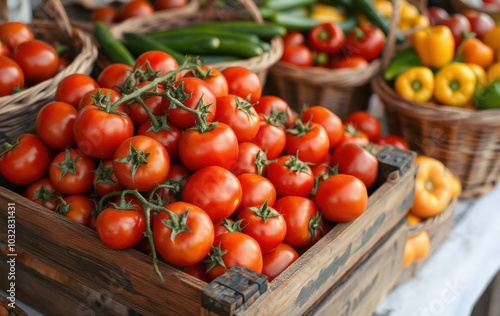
[(437, 14), (480, 22), (71, 171), (215, 147), (214, 189), (341, 198), (290, 176), (15, 33), (154, 103), (233, 248), (303, 221), (121, 228), (367, 123), (348, 62), (255, 191), (366, 42), (176, 174), (294, 38), (140, 163), (104, 179), (269, 105), (180, 245), (158, 61), (106, 14), (43, 192), (25, 161), (227, 225), (243, 82), (166, 133), (192, 92), (136, 8), (213, 78), (278, 260), (309, 141), (4, 50), (458, 24), (38, 60), (72, 88), (265, 225), (98, 133), (11, 76), (251, 159), (327, 119), (327, 38), (240, 115), (77, 208), (352, 135), (271, 138), (392, 140), (355, 160), (169, 4), (298, 55), (98, 96), (54, 125), (114, 76)]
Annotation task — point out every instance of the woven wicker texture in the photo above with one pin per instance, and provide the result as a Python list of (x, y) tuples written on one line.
[(18, 112), (238, 10), (464, 5)]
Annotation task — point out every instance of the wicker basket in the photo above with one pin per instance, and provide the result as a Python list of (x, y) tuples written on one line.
[(18, 111), (208, 13), (80, 16), (464, 5)]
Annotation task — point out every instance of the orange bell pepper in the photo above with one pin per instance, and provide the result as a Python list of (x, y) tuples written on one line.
[(473, 51)]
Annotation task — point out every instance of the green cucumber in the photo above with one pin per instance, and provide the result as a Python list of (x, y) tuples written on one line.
[(281, 5), (191, 45), (213, 59), (221, 34), (141, 42), (367, 8), (112, 47), (242, 49), (294, 23), (264, 30), (266, 13)]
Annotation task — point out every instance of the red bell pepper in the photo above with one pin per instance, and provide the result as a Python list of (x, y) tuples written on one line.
[(326, 38)]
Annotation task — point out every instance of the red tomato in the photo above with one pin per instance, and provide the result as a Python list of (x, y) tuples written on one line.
[(113, 76), (136, 8), (294, 38), (298, 55), (255, 191), (98, 133), (480, 22), (243, 82), (215, 190), (193, 92), (166, 133), (392, 140), (265, 225), (278, 260), (98, 97), (233, 249), (169, 4), (326, 38), (154, 103), (271, 138), (4, 50), (355, 160), (458, 24), (226, 225), (72, 88), (104, 179), (240, 115), (352, 135), (290, 176), (270, 105), (71, 171), (342, 198), (197, 270), (214, 79), (106, 14), (25, 161), (43, 192), (303, 221), (11, 76), (437, 14), (181, 245), (158, 61), (77, 208), (309, 141), (176, 174), (348, 62), (367, 123), (15, 33), (141, 163), (327, 119), (63, 63), (251, 159), (121, 228), (38, 60), (366, 42), (54, 125), (215, 147)]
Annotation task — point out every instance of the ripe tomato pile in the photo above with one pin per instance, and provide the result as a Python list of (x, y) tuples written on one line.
[(212, 173)]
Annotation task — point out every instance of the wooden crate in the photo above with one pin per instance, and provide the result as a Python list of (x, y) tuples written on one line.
[(127, 278)]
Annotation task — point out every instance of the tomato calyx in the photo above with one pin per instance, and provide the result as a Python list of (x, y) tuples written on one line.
[(43, 195), (261, 161), (300, 129), (315, 226), (135, 159), (351, 129), (103, 174), (264, 211), (8, 147), (203, 74), (244, 105), (215, 257), (68, 165), (331, 171), (178, 224), (296, 165), (358, 33), (233, 226), (174, 186)]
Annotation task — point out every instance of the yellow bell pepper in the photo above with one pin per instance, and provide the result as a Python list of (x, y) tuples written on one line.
[(384, 7), (326, 13), (479, 72), (418, 22), (455, 84), (434, 45), (408, 11), (493, 72), (416, 84), (492, 39)]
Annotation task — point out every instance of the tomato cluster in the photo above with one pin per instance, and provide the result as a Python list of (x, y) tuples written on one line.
[(211, 171), (132, 9), (327, 45), (25, 60)]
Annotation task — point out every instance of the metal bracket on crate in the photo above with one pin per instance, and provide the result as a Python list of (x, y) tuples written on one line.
[(392, 159), (234, 290)]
